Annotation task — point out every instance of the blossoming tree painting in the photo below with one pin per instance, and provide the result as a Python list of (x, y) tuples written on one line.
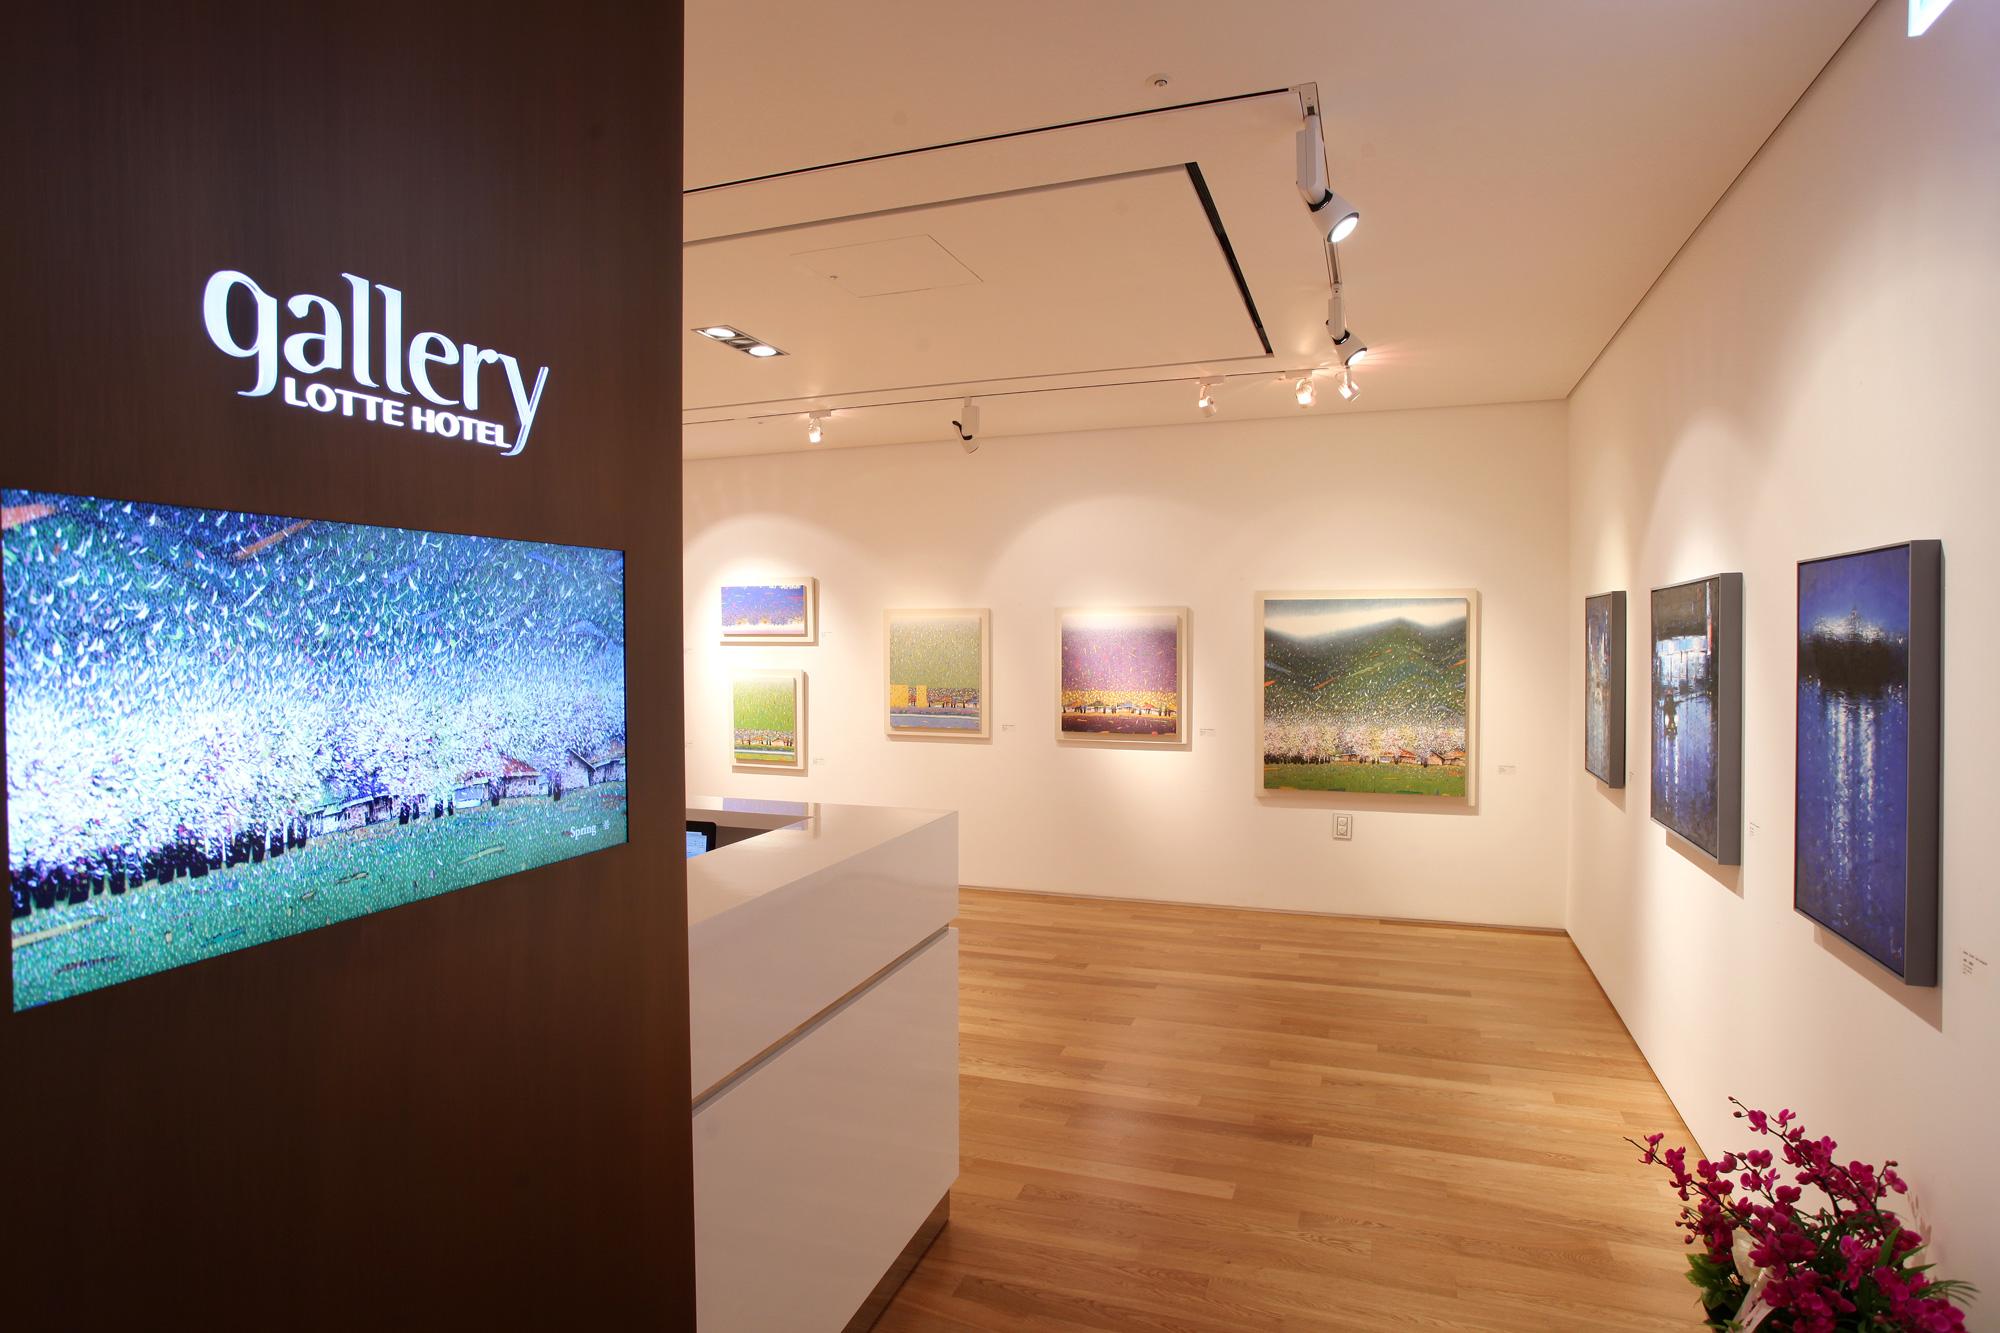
[(1866, 838), (225, 728), (937, 666), (1121, 676), (767, 715), (1368, 692)]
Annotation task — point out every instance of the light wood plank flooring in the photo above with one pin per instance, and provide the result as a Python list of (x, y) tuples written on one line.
[(1195, 1118)]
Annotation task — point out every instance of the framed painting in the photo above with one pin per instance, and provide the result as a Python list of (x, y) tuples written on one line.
[(1865, 835), (1371, 692), (939, 674), (1121, 675), (1697, 713), (768, 720), (777, 612), (1604, 687)]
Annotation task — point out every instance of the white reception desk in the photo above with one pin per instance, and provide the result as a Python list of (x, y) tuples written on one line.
[(823, 990)]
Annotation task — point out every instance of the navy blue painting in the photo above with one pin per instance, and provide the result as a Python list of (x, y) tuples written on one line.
[(1858, 749), (1697, 713), (1604, 687)]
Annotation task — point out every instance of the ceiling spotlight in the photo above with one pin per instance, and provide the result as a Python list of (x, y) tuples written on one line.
[(1349, 349), (1338, 217), (815, 429), (1205, 400), (1303, 391), (1333, 217), (1348, 388), (737, 338), (967, 426)]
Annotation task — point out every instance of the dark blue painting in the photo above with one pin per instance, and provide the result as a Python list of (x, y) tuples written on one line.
[(1684, 714), (1855, 757), (1604, 687), (1697, 713)]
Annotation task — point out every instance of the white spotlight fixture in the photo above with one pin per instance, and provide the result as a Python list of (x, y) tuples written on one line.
[(719, 332), (1350, 349), (815, 427), (762, 349), (1333, 217), (1205, 400), (1303, 391), (1349, 390), (967, 426)]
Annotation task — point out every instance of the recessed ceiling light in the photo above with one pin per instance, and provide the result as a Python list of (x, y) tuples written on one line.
[(737, 338), (1923, 13)]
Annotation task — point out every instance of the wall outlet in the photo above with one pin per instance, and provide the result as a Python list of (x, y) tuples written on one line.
[(1343, 827)]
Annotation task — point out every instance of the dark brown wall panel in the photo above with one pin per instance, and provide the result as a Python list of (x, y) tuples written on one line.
[(470, 1111)]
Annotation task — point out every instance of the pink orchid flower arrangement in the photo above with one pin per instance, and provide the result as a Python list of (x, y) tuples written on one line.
[(1769, 1262)]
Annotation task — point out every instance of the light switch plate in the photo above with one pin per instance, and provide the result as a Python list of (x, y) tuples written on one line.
[(1343, 827)]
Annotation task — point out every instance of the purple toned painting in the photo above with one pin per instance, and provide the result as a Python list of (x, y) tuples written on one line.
[(1121, 675)]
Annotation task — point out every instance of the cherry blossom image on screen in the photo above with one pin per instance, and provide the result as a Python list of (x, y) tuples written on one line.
[(226, 728)]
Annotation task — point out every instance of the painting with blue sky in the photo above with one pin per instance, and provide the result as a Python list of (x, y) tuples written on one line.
[(779, 611), (1854, 816)]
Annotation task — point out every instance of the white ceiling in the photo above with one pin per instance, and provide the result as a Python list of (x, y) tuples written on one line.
[(1524, 170)]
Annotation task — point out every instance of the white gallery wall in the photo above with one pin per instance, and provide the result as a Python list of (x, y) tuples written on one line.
[(1814, 374), (1202, 516)]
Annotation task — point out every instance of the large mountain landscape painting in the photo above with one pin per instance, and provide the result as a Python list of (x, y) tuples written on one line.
[(1368, 693)]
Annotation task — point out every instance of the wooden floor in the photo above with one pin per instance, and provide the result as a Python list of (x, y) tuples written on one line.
[(1193, 1118)]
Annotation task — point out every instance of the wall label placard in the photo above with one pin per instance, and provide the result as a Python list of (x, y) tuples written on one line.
[(442, 370)]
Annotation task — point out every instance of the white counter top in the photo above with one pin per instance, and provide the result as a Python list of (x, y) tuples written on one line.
[(783, 925)]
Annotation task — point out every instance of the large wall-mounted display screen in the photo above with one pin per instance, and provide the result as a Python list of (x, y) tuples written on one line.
[(225, 728)]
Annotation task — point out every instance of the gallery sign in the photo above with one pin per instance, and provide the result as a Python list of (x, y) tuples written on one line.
[(446, 373)]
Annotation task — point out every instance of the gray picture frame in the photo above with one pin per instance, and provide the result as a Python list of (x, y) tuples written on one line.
[(1923, 831), (1726, 846), (1615, 694)]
